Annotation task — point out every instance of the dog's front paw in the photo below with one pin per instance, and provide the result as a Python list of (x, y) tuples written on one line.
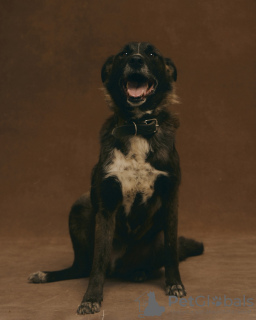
[(88, 307), (38, 277), (177, 290)]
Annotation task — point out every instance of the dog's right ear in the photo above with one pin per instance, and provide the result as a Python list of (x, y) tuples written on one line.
[(106, 69), (170, 67)]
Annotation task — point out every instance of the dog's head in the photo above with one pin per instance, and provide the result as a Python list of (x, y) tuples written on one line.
[(138, 79)]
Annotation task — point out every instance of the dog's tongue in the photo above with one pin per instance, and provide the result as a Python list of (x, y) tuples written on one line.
[(136, 89)]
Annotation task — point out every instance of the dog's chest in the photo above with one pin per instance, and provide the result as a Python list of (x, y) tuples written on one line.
[(134, 173)]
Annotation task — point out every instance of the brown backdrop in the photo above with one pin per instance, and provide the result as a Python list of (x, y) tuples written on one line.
[(51, 53), (52, 108)]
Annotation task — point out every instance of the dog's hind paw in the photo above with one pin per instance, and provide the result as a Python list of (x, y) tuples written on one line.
[(38, 277), (177, 290), (88, 307)]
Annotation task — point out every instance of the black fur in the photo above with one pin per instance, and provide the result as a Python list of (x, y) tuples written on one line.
[(127, 226)]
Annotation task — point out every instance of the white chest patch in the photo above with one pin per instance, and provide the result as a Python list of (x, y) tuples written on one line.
[(133, 172)]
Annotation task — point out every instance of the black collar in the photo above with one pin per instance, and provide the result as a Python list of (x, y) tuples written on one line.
[(145, 128)]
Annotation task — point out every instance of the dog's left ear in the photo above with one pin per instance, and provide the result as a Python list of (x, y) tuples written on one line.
[(170, 67), (106, 69)]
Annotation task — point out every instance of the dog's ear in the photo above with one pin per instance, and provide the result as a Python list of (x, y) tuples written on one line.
[(170, 67), (106, 69)]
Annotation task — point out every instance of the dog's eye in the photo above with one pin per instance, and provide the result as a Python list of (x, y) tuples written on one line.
[(152, 54), (124, 54)]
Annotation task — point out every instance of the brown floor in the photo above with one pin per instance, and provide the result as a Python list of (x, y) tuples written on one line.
[(226, 268)]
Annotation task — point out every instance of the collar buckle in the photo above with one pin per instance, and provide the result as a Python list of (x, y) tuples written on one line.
[(149, 121)]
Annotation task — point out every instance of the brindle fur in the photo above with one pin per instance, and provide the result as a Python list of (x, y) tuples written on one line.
[(127, 225)]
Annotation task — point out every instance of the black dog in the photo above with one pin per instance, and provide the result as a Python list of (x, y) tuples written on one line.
[(127, 226)]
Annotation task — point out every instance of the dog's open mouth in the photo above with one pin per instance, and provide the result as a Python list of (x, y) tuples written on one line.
[(138, 87)]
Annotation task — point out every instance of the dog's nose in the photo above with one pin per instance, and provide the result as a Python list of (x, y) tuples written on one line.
[(136, 61)]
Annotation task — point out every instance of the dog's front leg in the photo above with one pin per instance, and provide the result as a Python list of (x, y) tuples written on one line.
[(110, 198), (104, 231), (174, 286)]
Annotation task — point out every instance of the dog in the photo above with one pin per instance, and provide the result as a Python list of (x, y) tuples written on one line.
[(127, 225)]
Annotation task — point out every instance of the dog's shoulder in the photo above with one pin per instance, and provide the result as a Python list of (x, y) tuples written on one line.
[(168, 121), (107, 140), (164, 139), (164, 155), (107, 127)]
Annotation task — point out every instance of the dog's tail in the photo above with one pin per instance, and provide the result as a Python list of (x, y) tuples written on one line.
[(189, 247)]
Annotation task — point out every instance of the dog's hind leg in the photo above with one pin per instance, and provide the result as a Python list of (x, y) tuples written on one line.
[(81, 227), (146, 258), (189, 248)]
